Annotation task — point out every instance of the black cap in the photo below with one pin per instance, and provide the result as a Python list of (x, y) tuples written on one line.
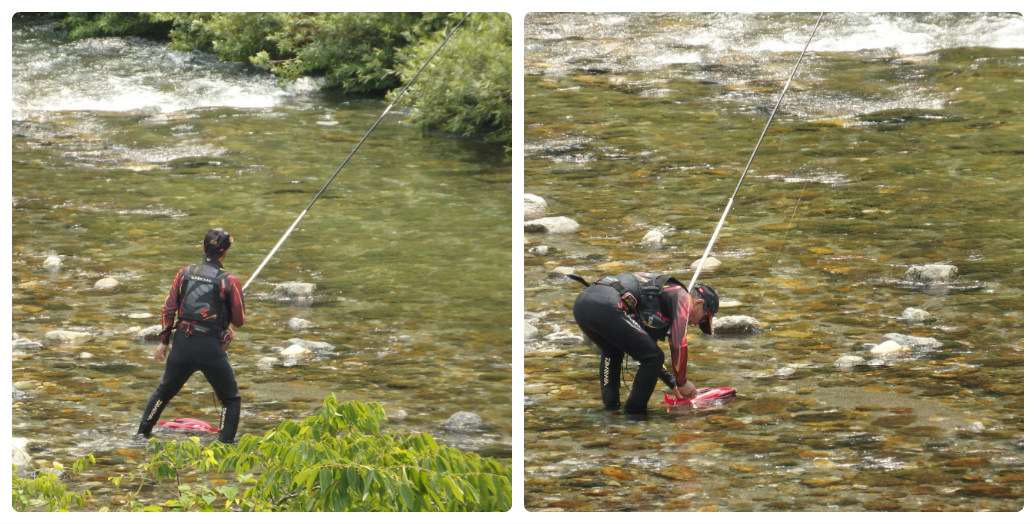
[(217, 242), (707, 293)]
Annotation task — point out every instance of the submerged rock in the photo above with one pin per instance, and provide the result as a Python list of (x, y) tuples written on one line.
[(653, 238), (911, 314), (296, 293), (311, 345), (148, 334), (849, 362), (931, 273), (889, 347), (464, 422), (61, 337), (530, 331), (20, 452), (919, 343), (52, 263), (267, 362), (299, 324), (710, 263), (296, 351), (22, 344), (736, 325), (106, 283), (539, 250), (551, 225), (534, 205)]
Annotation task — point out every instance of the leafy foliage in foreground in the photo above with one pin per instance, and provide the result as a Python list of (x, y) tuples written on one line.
[(468, 91), (335, 460), (45, 491)]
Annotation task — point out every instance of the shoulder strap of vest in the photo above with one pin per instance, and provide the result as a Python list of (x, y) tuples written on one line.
[(667, 279)]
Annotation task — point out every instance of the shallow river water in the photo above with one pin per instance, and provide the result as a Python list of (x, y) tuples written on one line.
[(899, 143), (125, 153)]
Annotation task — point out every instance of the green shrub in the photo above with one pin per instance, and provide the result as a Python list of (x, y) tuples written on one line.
[(336, 460), (88, 25), (339, 460), (466, 90)]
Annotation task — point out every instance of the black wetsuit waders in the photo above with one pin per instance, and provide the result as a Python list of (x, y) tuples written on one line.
[(602, 316), (192, 353)]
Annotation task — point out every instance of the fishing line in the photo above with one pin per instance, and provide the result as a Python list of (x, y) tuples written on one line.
[(730, 203), (369, 131), (787, 230)]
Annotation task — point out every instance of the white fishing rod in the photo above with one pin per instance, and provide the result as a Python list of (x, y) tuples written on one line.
[(358, 144), (730, 203)]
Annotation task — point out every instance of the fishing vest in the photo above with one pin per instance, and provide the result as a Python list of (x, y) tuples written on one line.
[(642, 295), (201, 300)]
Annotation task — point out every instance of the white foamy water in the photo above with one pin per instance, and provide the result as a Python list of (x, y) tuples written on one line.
[(125, 75), (648, 41)]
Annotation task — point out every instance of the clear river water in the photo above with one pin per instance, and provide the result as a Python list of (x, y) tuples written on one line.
[(899, 143)]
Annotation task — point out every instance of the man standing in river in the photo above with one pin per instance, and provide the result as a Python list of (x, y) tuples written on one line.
[(202, 304), (628, 314)]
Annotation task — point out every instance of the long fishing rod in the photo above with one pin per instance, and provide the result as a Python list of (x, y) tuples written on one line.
[(730, 203), (346, 161)]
